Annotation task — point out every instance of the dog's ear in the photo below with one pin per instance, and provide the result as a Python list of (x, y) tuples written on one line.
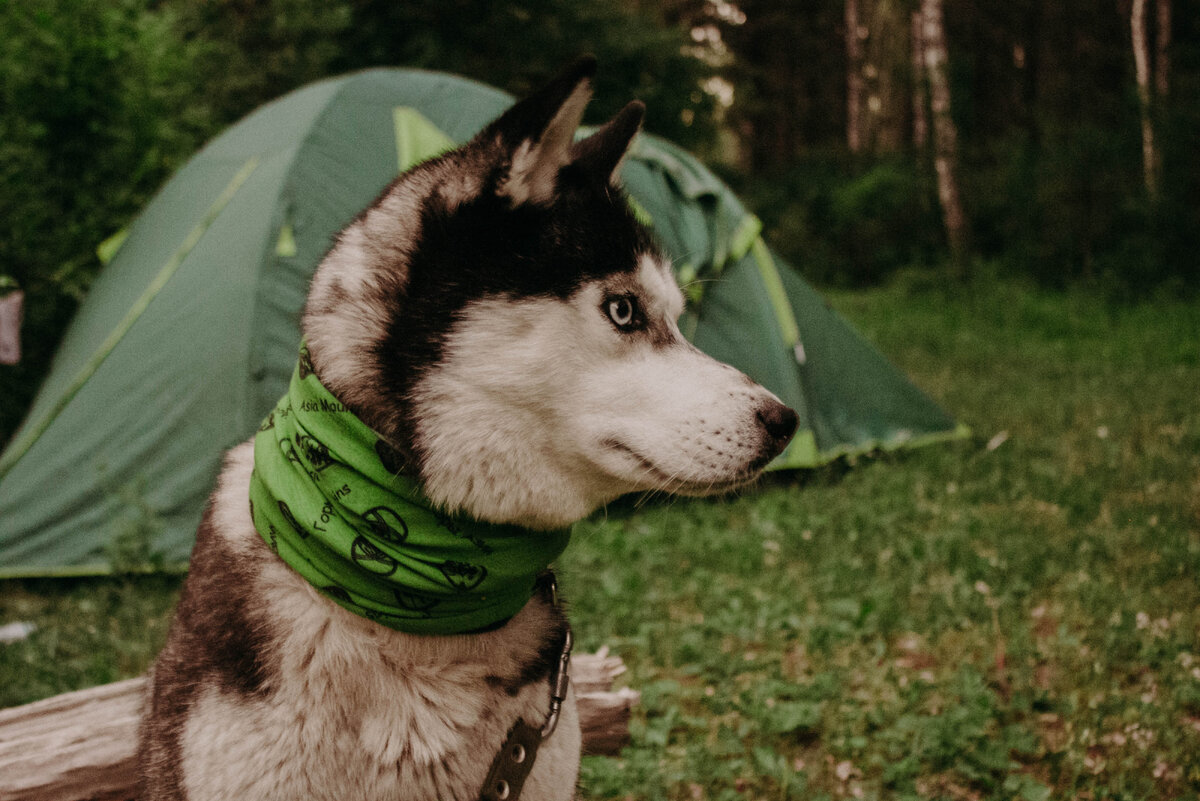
[(601, 153), (537, 132)]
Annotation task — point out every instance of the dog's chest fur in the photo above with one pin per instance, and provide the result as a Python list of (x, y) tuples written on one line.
[(374, 713)]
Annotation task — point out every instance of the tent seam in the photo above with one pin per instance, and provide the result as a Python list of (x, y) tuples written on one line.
[(254, 361), (26, 442)]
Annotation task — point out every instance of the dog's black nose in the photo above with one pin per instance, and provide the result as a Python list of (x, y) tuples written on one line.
[(780, 423)]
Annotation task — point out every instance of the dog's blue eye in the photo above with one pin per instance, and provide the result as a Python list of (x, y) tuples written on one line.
[(622, 310)]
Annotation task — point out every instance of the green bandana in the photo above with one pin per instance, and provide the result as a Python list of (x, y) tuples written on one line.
[(324, 498)]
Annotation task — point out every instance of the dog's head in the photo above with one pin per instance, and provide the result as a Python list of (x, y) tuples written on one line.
[(501, 317)]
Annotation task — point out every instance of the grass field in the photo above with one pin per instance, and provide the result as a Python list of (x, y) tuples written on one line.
[(1016, 617)]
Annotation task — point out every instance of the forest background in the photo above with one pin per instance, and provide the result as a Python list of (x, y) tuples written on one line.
[(1051, 141)]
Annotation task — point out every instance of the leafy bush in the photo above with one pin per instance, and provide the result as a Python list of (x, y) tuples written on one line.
[(850, 225), (515, 45), (95, 110), (1073, 208)]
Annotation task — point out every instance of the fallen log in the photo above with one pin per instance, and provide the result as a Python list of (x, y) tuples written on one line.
[(80, 746)]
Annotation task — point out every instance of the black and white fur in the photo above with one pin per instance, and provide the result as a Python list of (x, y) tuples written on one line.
[(501, 318)]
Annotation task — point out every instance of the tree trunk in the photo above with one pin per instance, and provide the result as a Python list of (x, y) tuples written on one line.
[(877, 58), (886, 56), (1141, 63), (920, 94), (11, 311), (945, 134), (854, 81), (1162, 61)]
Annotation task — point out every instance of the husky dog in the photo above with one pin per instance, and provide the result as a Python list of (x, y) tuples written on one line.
[(501, 321)]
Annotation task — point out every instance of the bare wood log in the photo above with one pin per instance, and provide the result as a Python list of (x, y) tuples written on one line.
[(80, 746), (603, 712), (73, 746)]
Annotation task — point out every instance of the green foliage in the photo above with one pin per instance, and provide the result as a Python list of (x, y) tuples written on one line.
[(95, 111), (253, 51), (516, 45), (844, 224), (1074, 209), (249, 52)]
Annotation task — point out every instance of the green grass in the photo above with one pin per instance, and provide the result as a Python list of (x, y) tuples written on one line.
[(958, 622)]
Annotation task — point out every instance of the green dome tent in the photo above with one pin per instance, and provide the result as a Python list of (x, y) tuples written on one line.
[(188, 336)]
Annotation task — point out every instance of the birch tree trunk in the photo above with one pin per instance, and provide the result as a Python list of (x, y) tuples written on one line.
[(1141, 63), (945, 134), (854, 81)]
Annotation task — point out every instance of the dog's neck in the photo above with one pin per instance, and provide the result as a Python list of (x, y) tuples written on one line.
[(325, 496)]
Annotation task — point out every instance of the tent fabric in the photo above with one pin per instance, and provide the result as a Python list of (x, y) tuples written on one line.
[(188, 336)]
